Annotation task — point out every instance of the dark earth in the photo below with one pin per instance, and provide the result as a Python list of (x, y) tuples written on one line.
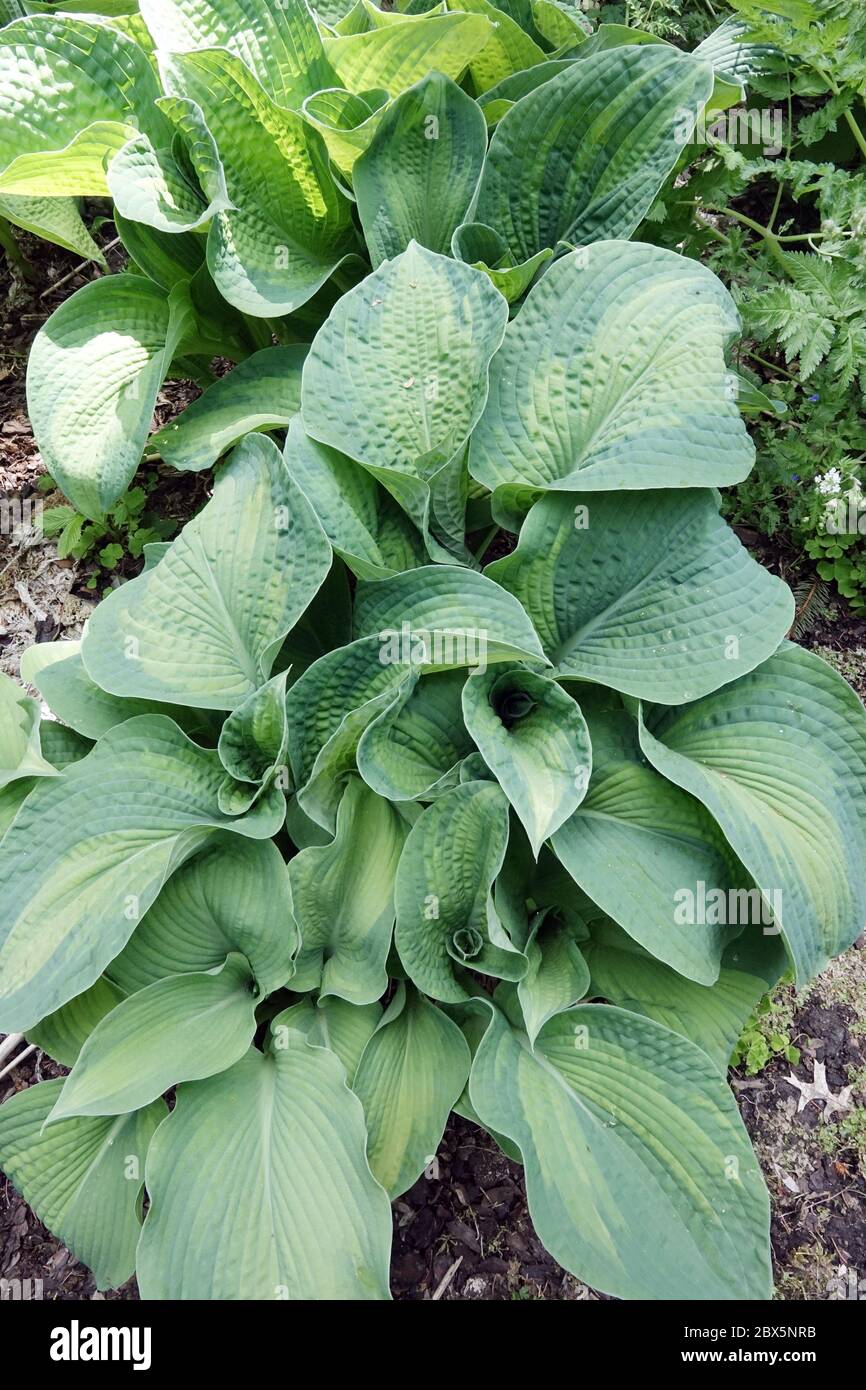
[(463, 1231)]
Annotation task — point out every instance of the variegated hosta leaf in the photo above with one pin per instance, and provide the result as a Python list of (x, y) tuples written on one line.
[(446, 921), (290, 227), (508, 50), (346, 121), (581, 158), (181, 1028), (117, 824), (481, 247), (779, 759), (81, 1177), (613, 377), (557, 975), (362, 521), (712, 1016), (203, 627), (640, 1176), (74, 92), (333, 1023), (261, 393), (533, 736), (648, 592), (253, 747), (397, 376), (288, 1209), (328, 709), (280, 44), (411, 750), (323, 627), (171, 189), (54, 219), (61, 746), (636, 843), (417, 178), (20, 747), (442, 616), (94, 373), (63, 1033), (398, 54), (413, 1069), (234, 896), (57, 671), (343, 896)]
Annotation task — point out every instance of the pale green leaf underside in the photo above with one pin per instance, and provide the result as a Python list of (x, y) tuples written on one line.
[(54, 219)]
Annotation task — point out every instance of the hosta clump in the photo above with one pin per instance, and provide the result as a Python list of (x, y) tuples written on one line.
[(336, 831)]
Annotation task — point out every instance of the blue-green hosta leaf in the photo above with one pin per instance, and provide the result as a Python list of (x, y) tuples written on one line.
[(396, 55), (442, 616), (331, 1022), (323, 627), (203, 627), (290, 227), (79, 867), (157, 186), (262, 393), (397, 376), (253, 746), (93, 377), (343, 896), (20, 748), (61, 746), (712, 1016), (648, 592), (362, 521), (166, 258), (328, 710), (54, 219), (417, 178), (640, 1176), (411, 750), (57, 671), (63, 1033), (779, 759), (346, 121), (446, 921), (533, 736), (483, 248), (234, 896), (560, 24), (413, 1069), (82, 1177), (181, 1028), (557, 975), (74, 92), (280, 44), (288, 1209), (581, 158), (613, 377), (635, 843), (508, 50), (499, 99)]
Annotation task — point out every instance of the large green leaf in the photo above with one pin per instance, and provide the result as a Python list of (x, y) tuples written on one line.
[(20, 747), (639, 1173), (613, 377), (233, 896), (54, 219), (397, 376), (94, 373), (533, 736), (181, 1028), (581, 158), (412, 1071), (74, 91), (280, 44), (253, 747), (557, 974), (346, 121), (418, 176), (333, 1023), (262, 393), (446, 921), (81, 1177), (779, 759), (636, 842), (63, 1033), (79, 867), (175, 189), (287, 1208), (362, 521), (648, 592), (343, 896), (508, 50), (398, 54), (290, 227), (484, 249), (203, 627), (411, 750)]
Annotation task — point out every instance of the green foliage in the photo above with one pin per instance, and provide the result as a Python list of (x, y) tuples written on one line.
[(127, 527), (345, 828), (765, 1037)]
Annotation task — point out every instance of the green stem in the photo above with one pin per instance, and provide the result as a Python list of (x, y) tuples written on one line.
[(487, 541), (771, 366)]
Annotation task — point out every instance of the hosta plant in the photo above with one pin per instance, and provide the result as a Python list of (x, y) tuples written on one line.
[(338, 829)]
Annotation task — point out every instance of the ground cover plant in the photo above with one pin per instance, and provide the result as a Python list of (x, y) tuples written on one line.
[(339, 828)]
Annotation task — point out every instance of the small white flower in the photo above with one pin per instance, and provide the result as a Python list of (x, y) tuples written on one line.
[(829, 483)]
